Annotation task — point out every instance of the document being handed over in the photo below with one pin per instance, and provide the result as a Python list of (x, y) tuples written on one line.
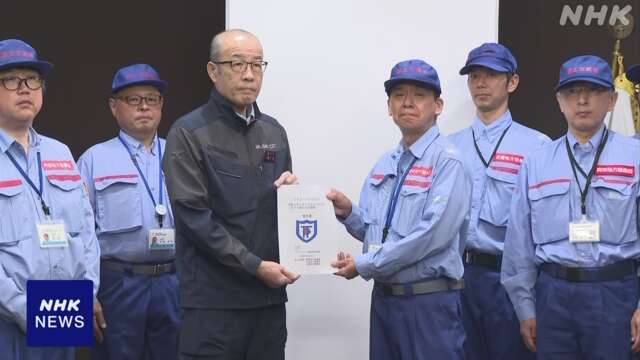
[(307, 230)]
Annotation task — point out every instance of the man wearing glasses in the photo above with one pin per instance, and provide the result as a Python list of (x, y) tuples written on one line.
[(571, 248), (136, 313), (224, 161), (40, 190)]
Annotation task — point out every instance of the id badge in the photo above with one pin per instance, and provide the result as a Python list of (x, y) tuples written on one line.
[(584, 231), (373, 247), (162, 239), (52, 234)]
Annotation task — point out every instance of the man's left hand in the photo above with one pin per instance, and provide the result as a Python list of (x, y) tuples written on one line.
[(98, 322), (635, 331), (287, 178), (346, 266)]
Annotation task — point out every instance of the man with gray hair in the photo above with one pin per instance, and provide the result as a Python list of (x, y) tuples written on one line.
[(223, 163)]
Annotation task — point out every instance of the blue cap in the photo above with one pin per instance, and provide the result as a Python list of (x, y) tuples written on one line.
[(138, 74), (493, 56), (633, 73), (16, 53), (416, 71), (588, 68)]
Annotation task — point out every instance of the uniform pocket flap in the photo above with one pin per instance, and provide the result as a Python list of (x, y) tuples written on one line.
[(376, 179), (411, 187), (503, 173), (10, 187), (623, 187), (548, 188), (104, 182), (66, 182)]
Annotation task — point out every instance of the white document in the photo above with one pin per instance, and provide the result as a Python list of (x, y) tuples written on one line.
[(307, 230)]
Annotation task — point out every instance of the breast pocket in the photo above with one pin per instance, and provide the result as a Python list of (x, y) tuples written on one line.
[(550, 212), (232, 186), (66, 204), (409, 209), (373, 227), (616, 205), (497, 198), (14, 218), (118, 205)]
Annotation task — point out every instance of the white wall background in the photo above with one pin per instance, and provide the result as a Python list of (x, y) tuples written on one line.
[(327, 64)]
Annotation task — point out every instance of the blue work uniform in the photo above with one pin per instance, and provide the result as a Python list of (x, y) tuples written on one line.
[(21, 256), (140, 307), (490, 322), (582, 294), (424, 245)]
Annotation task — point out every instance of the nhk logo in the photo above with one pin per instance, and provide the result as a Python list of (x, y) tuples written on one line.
[(587, 14), (70, 307), (59, 313)]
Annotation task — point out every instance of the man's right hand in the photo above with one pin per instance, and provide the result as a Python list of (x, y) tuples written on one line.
[(528, 332), (98, 321), (341, 203), (275, 275)]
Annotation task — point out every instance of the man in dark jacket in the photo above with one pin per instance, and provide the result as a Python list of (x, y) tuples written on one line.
[(223, 163)]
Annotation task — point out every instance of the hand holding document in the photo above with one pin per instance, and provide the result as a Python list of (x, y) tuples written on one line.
[(307, 230)]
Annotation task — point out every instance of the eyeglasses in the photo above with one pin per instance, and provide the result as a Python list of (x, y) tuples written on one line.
[(136, 100), (13, 83), (574, 92), (241, 66)]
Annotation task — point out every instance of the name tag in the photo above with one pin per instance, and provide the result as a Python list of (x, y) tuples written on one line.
[(584, 231), (52, 234), (162, 239), (373, 247)]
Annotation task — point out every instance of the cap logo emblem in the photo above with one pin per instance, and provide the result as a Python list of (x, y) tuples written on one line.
[(140, 75), (583, 69), (17, 53)]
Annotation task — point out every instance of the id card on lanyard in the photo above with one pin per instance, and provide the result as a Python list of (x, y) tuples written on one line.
[(375, 244), (585, 230), (51, 232), (159, 238)]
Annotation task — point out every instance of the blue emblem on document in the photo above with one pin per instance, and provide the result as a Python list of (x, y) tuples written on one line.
[(306, 230)]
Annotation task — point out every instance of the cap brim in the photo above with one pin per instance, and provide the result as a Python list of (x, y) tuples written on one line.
[(633, 74), (42, 67), (584, 79), (389, 84), (161, 85), (487, 64)]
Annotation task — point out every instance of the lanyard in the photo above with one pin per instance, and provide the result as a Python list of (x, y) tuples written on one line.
[(24, 174), (588, 177), (159, 208), (486, 164), (394, 199)]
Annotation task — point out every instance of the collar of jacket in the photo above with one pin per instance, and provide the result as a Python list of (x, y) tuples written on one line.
[(223, 106)]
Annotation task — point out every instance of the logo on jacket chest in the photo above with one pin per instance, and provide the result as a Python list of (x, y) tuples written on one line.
[(265, 146), (269, 156)]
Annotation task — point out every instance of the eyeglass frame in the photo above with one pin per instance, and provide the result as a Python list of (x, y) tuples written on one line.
[(143, 99), (21, 81), (263, 65)]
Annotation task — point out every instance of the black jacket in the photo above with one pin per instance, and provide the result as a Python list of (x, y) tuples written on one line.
[(220, 173)]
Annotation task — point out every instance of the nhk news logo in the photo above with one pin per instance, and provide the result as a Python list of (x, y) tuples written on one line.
[(59, 313)]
